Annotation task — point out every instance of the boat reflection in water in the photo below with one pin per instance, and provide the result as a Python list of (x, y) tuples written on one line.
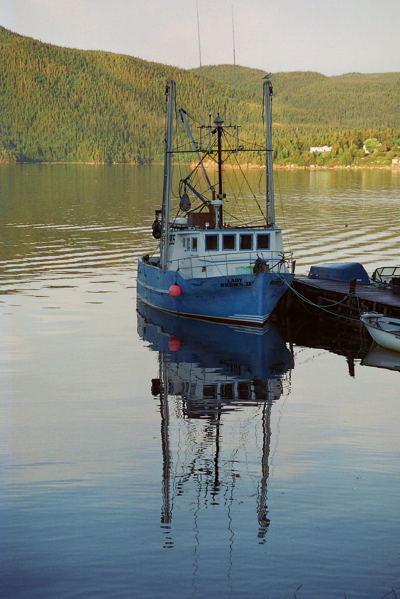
[(379, 357), (210, 371)]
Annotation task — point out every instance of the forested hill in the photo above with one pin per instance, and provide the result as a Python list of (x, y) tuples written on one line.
[(60, 104), (353, 100)]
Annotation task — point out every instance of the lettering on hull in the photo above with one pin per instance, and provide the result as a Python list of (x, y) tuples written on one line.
[(236, 282)]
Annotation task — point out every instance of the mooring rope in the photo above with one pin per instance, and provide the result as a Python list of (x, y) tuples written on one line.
[(324, 308)]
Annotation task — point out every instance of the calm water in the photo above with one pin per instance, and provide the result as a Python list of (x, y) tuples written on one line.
[(143, 457)]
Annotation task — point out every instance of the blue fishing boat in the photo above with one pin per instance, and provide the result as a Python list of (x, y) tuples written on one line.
[(210, 268)]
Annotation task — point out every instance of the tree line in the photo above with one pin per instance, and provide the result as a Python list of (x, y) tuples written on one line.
[(60, 104)]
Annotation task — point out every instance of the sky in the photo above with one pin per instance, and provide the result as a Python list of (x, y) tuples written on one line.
[(329, 36)]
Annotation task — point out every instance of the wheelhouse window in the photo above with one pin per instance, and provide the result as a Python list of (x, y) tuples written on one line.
[(210, 392), (194, 244), (263, 241), (228, 242), (211, 242), (244, 390), (227, 391), (246, 242)]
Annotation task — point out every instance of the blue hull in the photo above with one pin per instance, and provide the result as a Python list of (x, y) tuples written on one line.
[(239, 299)]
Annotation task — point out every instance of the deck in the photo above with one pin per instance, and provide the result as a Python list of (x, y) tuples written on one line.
[(352, 300)]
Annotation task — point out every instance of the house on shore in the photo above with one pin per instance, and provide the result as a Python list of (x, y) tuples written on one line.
[(320, 149)]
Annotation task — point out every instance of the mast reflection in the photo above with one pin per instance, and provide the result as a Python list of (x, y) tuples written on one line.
[(212, 370)]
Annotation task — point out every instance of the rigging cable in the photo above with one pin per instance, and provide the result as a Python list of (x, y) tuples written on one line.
[(248, 185), (244, 181), (323, 308)]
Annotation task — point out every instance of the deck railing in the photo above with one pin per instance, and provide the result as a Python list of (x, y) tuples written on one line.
[(230, 263)]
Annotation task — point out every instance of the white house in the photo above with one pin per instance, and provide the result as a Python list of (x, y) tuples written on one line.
[(320, 148)]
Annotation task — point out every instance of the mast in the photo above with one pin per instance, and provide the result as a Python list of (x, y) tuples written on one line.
[(270, 202), (217, 483), (218, 122), (169, 132), (166, 512), (262, 509)]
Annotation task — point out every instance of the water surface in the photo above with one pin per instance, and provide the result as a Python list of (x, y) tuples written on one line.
[(145, 458)]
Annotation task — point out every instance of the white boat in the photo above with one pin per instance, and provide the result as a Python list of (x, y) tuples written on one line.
[(384, 330), (210, 268)]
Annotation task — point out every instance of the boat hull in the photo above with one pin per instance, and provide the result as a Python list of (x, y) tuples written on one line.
[(384, 339), (376, 324), (240, 299)]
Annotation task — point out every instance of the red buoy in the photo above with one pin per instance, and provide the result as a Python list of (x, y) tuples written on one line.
[(174, 291), (174, 344)]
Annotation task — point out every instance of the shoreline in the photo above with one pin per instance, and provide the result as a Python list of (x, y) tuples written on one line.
[(247, 166)]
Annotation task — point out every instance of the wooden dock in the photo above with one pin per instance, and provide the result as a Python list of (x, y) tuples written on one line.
[(341, 299)]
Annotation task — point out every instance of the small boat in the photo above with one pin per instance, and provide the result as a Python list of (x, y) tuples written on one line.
[(212, 266), (345, 272), (384, 330)]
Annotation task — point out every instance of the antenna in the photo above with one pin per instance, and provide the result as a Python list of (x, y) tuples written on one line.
[(234, 90), (200, 62), (198, 31), (233, 36)]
